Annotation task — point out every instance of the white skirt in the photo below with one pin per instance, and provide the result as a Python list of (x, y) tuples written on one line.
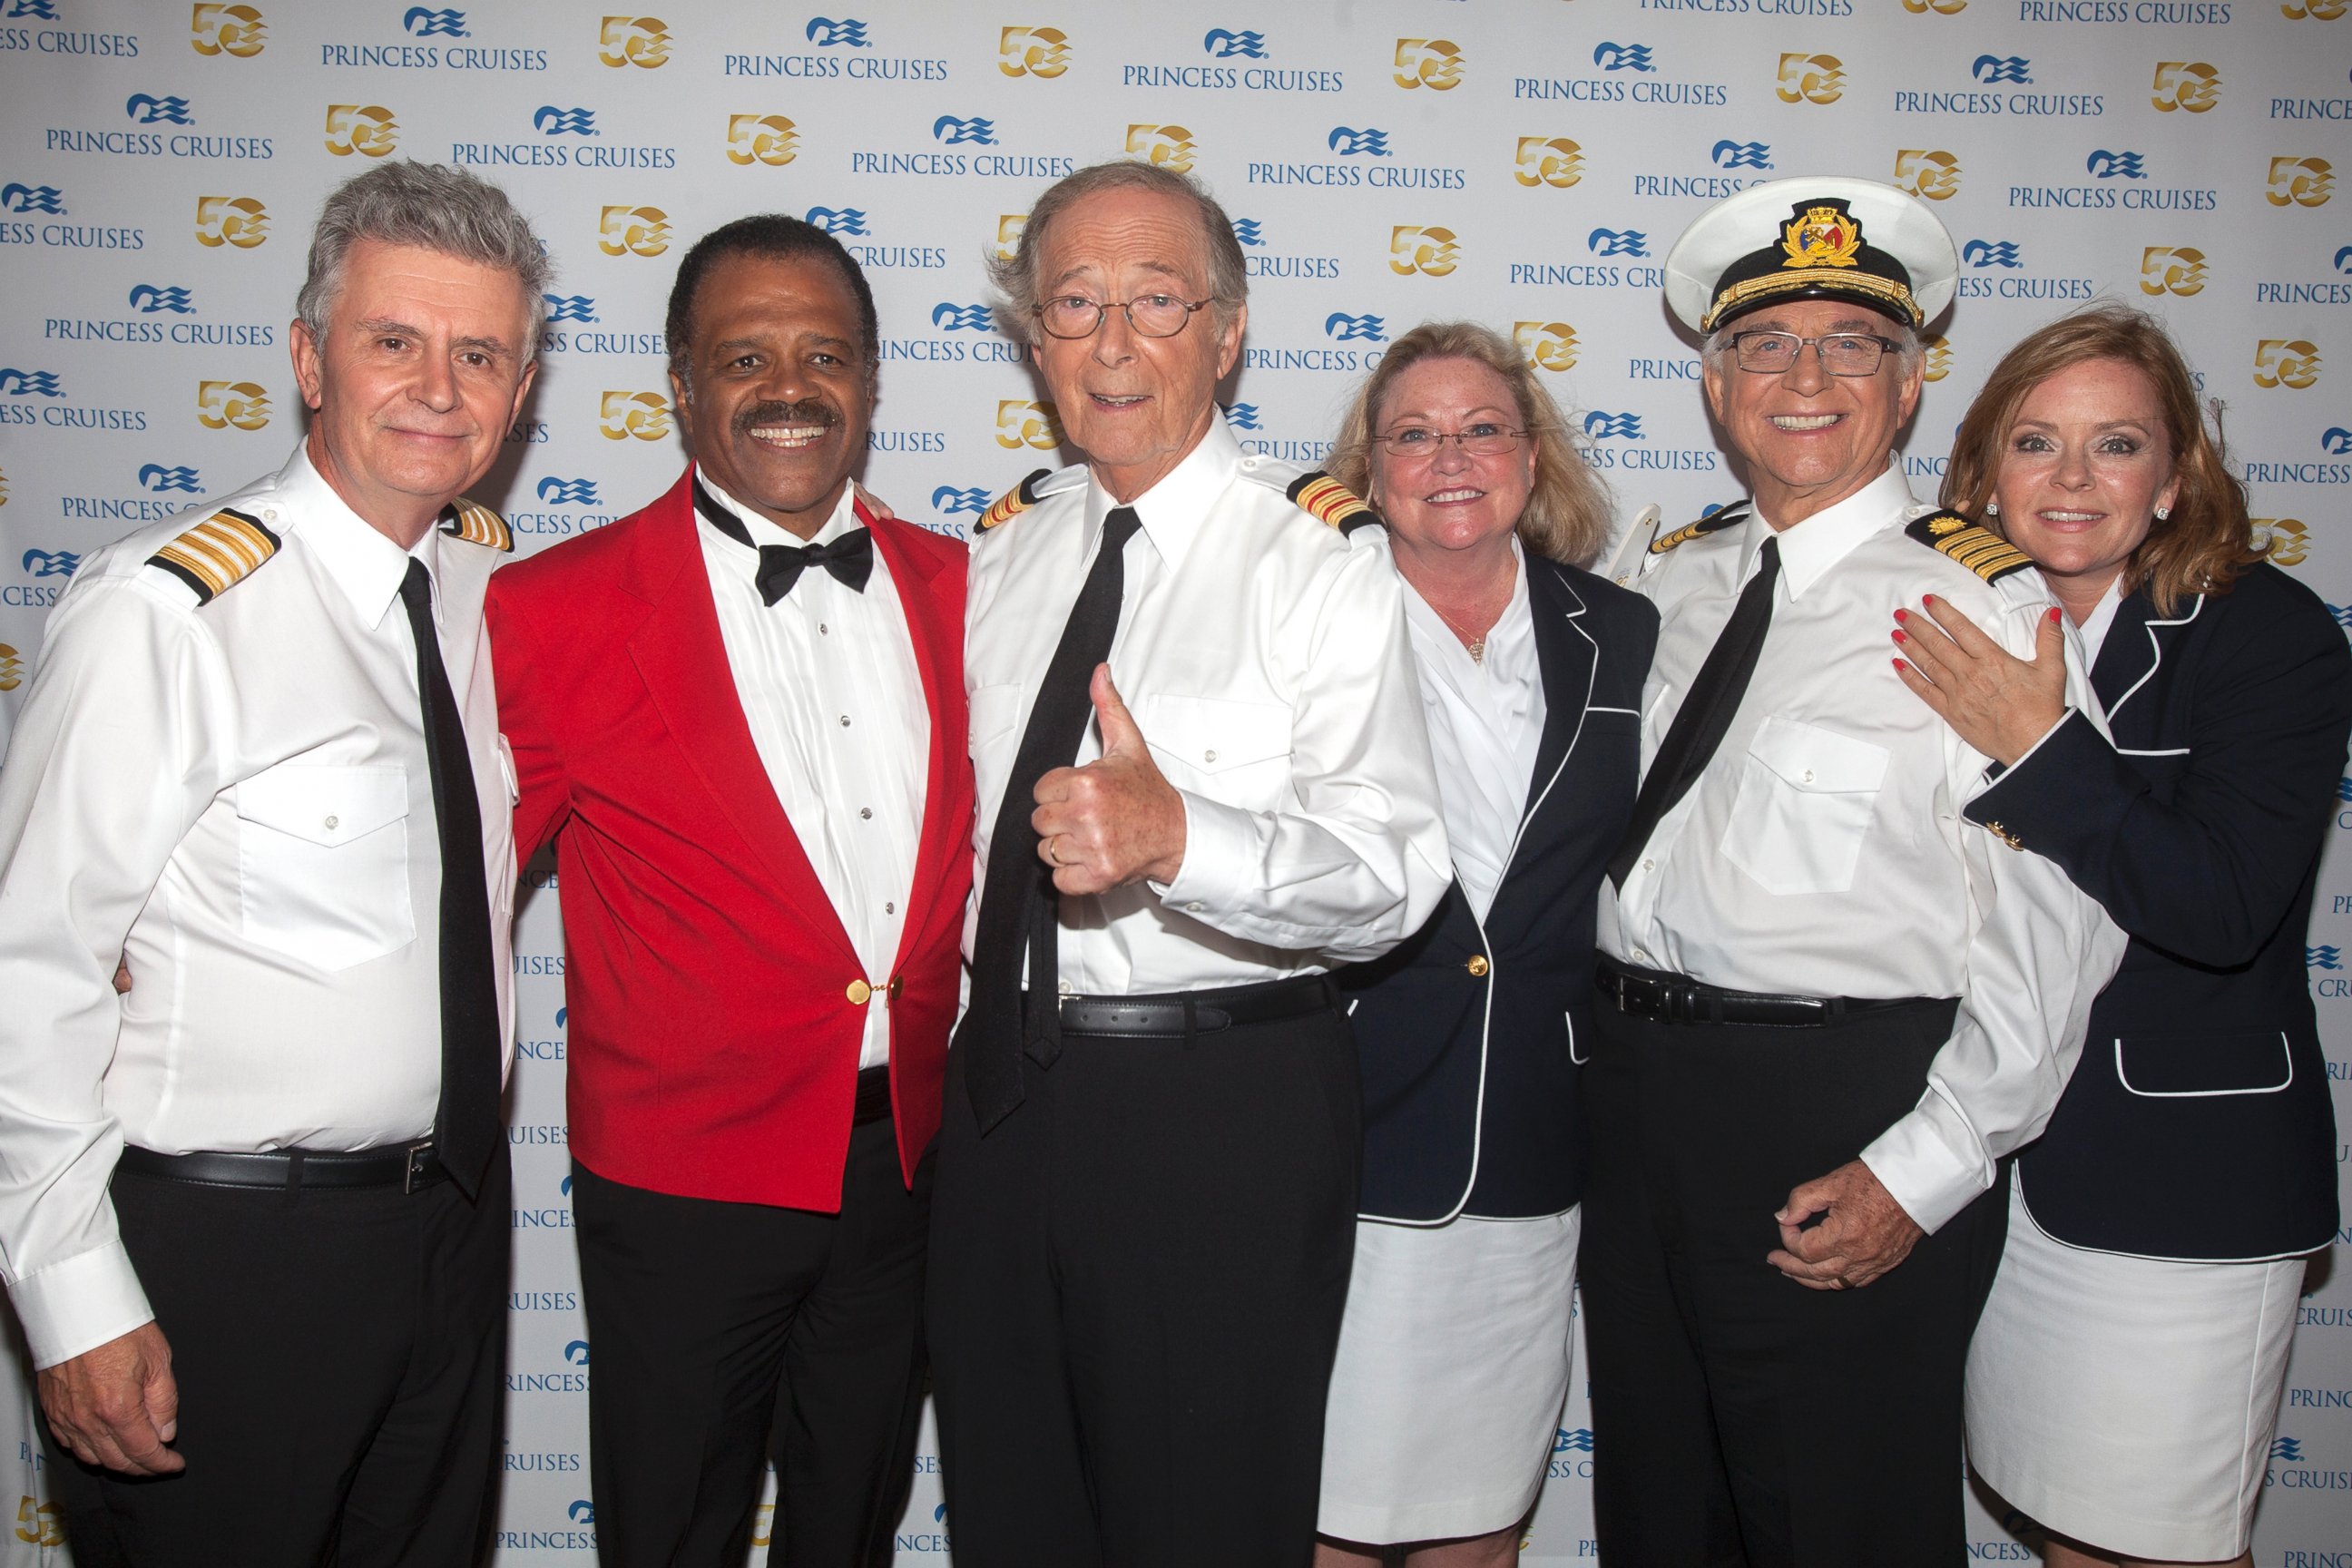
[(1452, 1368), (2127, 1401)]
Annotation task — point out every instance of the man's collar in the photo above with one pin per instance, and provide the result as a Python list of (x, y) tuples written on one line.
[(365, 564), (1173, 510), (1809, 549), (841, 519)]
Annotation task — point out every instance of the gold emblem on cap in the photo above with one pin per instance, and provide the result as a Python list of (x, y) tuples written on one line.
[(1822, 237)]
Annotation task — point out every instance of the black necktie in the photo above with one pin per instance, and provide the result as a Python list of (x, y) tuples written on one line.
[(466, 1125), (849, 558), (1699, 724), (1019, 906)]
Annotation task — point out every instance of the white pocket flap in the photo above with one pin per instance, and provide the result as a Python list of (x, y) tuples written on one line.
[(1807, 757), (1213, 734), (327, 806)]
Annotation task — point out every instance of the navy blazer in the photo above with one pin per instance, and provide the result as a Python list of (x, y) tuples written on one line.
[(1470, 1033), (2198, 1123)]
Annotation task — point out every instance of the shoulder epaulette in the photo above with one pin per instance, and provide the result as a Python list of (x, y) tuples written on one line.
[(1980, 550), (218, 553), (1328, 502), (1013, 502), (475, 524), (1713, 523)]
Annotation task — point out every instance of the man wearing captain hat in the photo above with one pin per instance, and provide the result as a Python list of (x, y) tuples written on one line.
[(1831, 1004)]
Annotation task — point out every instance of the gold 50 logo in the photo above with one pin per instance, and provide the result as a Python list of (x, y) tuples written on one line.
[(633, 231), (2304, 182), (1546, 345), (769, 138), (240, 221), (1432, 252), (2317, 10), (1008, 234), (1935, 176), (1935, 358), (2172, 269), (227, 30), (223, 403), (2192, 85), (1043, 52), (1553, 161), (1020, 423), (37, 1524), (1433, 63), (644, 415), (1170, 146), (12, 676), (1811, 78), (2284, 540), (632, 41), (365, 128), (2286, 361), (1941, 7)]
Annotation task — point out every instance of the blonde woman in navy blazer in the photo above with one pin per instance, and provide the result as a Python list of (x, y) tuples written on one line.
[(1454, 1354), (2124, 1383)]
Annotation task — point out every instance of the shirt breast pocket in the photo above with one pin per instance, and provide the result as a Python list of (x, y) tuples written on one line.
[(1806, 797), (1232, 752), (323, 862), (994, 710)]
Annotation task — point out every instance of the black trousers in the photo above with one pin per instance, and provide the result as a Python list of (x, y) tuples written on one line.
[(1739, 1420), (1137, 1281), (721, 1331), (340, 1357)]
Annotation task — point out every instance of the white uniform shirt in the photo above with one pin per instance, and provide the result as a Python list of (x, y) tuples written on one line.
[(1485, 724), (1823, 853), (828, 682), (236, 797), (1264, 656)]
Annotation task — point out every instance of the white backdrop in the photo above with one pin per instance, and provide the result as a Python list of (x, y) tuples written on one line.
[(1527, 162)]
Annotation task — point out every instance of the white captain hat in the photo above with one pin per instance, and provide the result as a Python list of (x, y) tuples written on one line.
[(1830, 238)]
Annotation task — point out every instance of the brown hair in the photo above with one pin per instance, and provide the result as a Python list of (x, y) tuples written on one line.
[(1567, 515), (2207, 543)]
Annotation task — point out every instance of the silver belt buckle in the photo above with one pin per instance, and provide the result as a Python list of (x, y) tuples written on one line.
[(417, 1153)]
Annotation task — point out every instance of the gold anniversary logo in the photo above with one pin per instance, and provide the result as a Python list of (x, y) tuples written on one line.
[(1170, 146), (2192, 85), (1935, 358), (223, 405), (1431, 252), (236, 30), (633, 231), (2286, 361), (642, 415), (38, 1523), (1811, 78), (2317, 10), (1021, 423), (1940, 8), (632, 41), (2285, 539), (1041, 52), (3, 486), (1546, 345), (11, 674), (769, 138), (1433, 63), (1931, 175), (2302, 182), (366, 128), (2172, 269), (1553, 161), (239, 221), (1008, 234)]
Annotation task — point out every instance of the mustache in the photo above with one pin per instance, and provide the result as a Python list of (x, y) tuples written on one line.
[(807, 411)]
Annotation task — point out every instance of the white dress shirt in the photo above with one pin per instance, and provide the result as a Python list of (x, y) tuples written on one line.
[(236, 797), (828, 682), (1823, 852), (1264, 656), (1485, 724)]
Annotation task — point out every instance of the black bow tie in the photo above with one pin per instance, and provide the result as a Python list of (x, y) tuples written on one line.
[(849, 558)]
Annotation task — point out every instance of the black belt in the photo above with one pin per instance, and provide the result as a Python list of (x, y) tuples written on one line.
[(873, 1095), (1174, 1014), (407, 1166), (1678, 999)]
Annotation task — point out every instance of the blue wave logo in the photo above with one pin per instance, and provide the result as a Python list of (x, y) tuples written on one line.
[(1579, 1441), (950, 500), (1241, 416), (954, 318), (42, 10), (157, 478), (560, 1015), (1617, 242), (1989, 253), (146, 109), (1348, 142), (2322, 958), (582, 1511), (1624, 57), (2335, 441), (52, 563), (568, 493), (422, 23), (571, 308), (2344, 260), (848, 33), (1742, 155), (1223, 44), (1602, 426), (2287, 1449), (2343, 790), (1990, 68), (939, 1514), (2105, 165), (1246, 230), (30, 383), (149, 300), (838, 220), (576, 1354), (2343, 614), (554, 121), (19, 198), (1348, 329), (980, 132), (564, 1187)]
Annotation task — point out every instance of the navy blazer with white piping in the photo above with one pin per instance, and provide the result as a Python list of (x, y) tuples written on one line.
[(1470, 1033), (2198, 1122)]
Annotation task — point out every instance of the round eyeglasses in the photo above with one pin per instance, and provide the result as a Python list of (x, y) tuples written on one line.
[(1147, 315), (1842, 353), (1484, 438)]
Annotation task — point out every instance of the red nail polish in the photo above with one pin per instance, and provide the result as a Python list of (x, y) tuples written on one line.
[(2054, 612), (1902, 615), (1900, 637)]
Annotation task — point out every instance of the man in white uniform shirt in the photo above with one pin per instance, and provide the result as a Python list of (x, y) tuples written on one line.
[(1831, 1004), (254, 1213), (1146, 1199)]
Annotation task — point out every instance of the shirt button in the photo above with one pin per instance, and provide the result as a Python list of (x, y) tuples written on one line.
[(333, 823), (1807, 776), (890, 909), (1208, 756), (866, 814), (845, 720), (1064, 986), (860, 993), (1194, 909), (822, 629), (1641, 957), (1649, 865)]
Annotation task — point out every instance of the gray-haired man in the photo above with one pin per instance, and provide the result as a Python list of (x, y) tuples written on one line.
[(259, 761)]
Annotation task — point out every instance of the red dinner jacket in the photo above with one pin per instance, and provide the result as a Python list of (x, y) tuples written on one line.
[(713, 1042)]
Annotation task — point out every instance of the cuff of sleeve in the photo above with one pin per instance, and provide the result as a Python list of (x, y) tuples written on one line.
[(79, 1303), (1996, 771), (1930, 1162), (1219, 841)]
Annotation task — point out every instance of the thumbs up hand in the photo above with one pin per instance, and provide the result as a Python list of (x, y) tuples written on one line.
[(1114, 821)]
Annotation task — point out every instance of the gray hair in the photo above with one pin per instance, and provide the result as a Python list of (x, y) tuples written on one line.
[(1016, 276), (1910, 354), (433, 207)]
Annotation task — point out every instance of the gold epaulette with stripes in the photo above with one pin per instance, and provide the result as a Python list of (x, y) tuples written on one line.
[(1328, 502), (1714, 522), (1013, 502), (218, 553), (1980, 550), (475, 524)]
